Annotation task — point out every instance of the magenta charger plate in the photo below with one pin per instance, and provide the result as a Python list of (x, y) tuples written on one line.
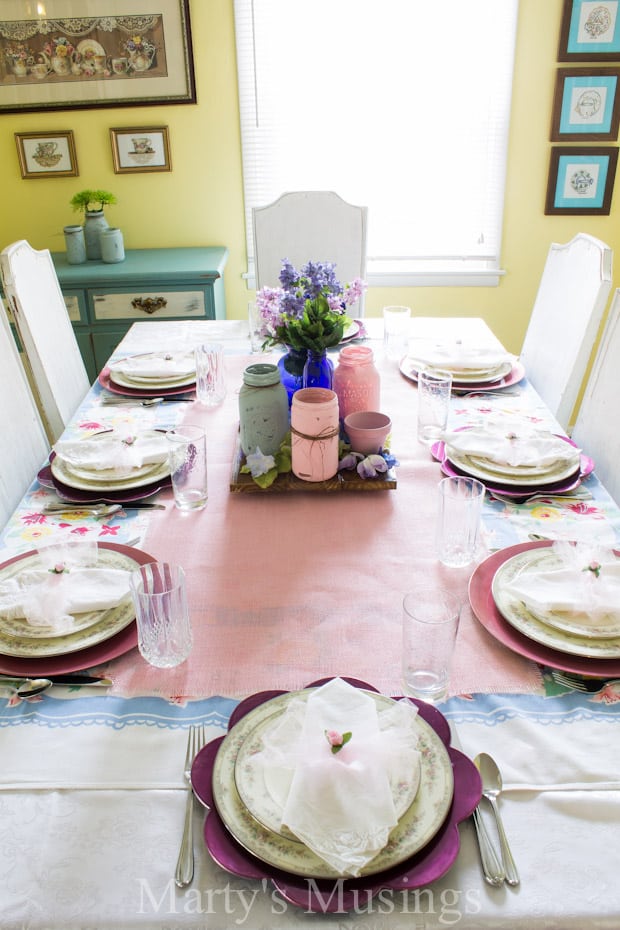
[(82, 659), (343, 895), (519, 492), (106, 382)]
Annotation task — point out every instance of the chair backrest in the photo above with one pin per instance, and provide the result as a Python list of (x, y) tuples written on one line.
[(304, 226), (24, 446), (562, 330), (40, 313), (596, 429)]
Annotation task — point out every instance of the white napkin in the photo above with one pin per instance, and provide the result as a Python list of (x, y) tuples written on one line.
[(459, 356), (587, 583), (341, 804), (162, 365), (512, 444), (65, 582), (120, 451)]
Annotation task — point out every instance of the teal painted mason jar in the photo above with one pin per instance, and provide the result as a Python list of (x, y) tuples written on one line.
[(263, 409)]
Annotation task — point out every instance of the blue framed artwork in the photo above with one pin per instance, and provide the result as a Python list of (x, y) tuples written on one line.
[(581, 180), (590, 31), (586, 105)]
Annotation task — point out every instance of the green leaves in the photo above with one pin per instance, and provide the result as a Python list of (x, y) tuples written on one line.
[(316, 329)]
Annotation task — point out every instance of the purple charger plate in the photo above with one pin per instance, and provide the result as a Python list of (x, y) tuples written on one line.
[(79, 496), (82, 659), (341, 895), (586, 467), (106, 382)]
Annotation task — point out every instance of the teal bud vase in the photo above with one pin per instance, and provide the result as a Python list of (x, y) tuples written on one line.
[(75, 244), (112, 245), (94, 223)]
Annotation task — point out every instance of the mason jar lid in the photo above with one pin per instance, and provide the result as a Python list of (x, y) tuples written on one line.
[(261, 374), (355, 355)]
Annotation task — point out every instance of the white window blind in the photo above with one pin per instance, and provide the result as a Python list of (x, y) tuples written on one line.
[(399, 105)]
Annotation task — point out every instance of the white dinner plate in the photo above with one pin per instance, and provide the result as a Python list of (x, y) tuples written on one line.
[(19, 638), (548, 629), (266, 801), (86, 480), (414, 830), (559, 471)]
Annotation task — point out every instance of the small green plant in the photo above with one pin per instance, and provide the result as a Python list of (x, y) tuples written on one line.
[(91, 201)]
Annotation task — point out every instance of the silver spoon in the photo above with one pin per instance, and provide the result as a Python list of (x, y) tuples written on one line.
[(33, 686), (491, 788)]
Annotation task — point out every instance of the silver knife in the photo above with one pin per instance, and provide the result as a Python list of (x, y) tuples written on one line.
[(90, 680), (68, 506)]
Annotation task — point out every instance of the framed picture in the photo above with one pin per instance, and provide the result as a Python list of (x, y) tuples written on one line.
[(586, 105), (91, 53), (590, 31), (146, 148), (46, 154), (581, 180)]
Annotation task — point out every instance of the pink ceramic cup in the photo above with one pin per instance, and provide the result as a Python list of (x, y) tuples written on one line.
[(367, 430)]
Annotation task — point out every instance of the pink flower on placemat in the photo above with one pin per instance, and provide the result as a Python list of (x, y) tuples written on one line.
[(337, 740), (609, 693)]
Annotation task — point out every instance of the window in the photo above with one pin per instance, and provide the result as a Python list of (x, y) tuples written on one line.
[(400, 105)]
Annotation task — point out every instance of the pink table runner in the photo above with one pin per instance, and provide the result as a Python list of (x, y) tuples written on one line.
[(287, 588)]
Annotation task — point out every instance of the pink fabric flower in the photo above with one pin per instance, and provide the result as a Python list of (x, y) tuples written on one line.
[(337, 740)]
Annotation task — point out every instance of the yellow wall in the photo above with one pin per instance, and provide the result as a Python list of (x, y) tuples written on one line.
[(201, 201)]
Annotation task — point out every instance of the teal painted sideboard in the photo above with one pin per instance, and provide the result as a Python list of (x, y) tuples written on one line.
[(103, 300)]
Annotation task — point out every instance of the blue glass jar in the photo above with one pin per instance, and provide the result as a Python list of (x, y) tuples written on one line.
[(318, 370), (291, 368)]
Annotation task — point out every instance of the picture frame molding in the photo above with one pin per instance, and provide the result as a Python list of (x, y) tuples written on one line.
[(563, 79), (606, 51), (586, 153), (136, 162), (46, 139), (88, 79)]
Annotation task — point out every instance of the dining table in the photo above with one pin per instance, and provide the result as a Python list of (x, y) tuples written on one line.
[(287, 590)]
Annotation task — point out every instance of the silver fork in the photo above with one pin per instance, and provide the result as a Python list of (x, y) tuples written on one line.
[(184, 873), (567, 680)]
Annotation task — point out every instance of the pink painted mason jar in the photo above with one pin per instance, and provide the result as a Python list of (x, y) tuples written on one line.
[(356, 381), (314, 434)]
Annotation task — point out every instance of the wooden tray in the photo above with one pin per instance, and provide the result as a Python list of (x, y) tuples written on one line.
[(343, 481)]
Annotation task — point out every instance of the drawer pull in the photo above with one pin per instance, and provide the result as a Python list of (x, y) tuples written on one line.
[(149, 304)]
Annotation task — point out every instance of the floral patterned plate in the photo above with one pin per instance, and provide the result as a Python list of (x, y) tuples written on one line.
[(338, 896), (415, 829), (485, 609), (265, 802), (543, 629), (16, 636)]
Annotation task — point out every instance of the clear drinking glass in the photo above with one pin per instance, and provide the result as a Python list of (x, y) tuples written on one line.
[(187, 457), (458, 520), (396, 321), (210, 381), (255, 323), (162, 614), (430, 623), (434, 389)]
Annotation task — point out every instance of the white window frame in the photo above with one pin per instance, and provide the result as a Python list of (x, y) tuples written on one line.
[(478, 266)]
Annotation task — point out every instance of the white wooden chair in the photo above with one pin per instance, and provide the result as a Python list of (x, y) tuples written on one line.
[(596, 427), (24, 446), (305, 226), (567, 312), (38, 307)]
